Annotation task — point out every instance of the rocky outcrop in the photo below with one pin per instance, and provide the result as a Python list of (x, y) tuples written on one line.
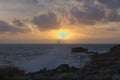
[(11, 73), (63, 68), (115, 50), (79, 49), (102, 67), (62, 72)]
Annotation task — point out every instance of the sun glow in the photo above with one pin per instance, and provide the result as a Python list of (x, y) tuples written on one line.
[(63, 34)]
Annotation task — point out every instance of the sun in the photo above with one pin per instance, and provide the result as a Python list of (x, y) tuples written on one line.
[(63, 34)]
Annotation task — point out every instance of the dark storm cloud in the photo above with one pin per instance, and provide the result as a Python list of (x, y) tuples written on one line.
[(36, 1), (17, 22), (86, 1), (114, 4), (7, 28), (78, 0), (4, 27), (92, 13), (32, 1), (114, 17), (46, 21)]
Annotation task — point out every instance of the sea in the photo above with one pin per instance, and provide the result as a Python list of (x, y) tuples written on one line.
[(34, 57)]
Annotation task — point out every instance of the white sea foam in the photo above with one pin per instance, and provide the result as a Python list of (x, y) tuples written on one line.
[(56, 56)]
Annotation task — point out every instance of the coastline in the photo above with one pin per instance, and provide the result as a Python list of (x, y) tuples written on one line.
[(102, 67)]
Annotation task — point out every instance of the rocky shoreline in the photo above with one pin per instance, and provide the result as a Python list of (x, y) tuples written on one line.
[(104, 66)]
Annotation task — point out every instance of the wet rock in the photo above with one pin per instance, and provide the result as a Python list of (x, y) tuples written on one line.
[(62, 72), (74, 69), (63, 68), (79, 49), (43, 70), (11, 72)]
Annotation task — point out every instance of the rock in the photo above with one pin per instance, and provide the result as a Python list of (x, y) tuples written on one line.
[(63, 68), (79, 49), (115, 50), (74, 69), (107, 59), (102, 67), (43, 70), (10, 72)]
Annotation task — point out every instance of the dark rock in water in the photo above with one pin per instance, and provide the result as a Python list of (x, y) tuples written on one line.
[(79, 49), (63, 68)]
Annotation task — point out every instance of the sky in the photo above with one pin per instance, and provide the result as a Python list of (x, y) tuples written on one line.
[(38, 21)]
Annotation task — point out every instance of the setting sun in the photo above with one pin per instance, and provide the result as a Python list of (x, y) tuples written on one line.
[(63, 34)]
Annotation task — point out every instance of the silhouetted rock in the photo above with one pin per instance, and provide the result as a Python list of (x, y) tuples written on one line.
[(43, 70), (62, 72), (11, 72), (104, 66), (63, 68), (74, 69), (79, 49), (115, 50)]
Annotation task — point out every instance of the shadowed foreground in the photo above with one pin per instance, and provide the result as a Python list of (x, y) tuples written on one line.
[(102, 67)]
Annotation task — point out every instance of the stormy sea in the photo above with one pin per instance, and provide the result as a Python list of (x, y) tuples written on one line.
[(33, 57)]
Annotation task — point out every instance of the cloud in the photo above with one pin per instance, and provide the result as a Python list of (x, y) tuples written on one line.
[(46, 21), (7, 28), (91, 13), (113, 4), (86, 1), (113, 17), (31, 1), (111, 29), (17, 22), (35, 1), (4, 27), (75, 11)]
